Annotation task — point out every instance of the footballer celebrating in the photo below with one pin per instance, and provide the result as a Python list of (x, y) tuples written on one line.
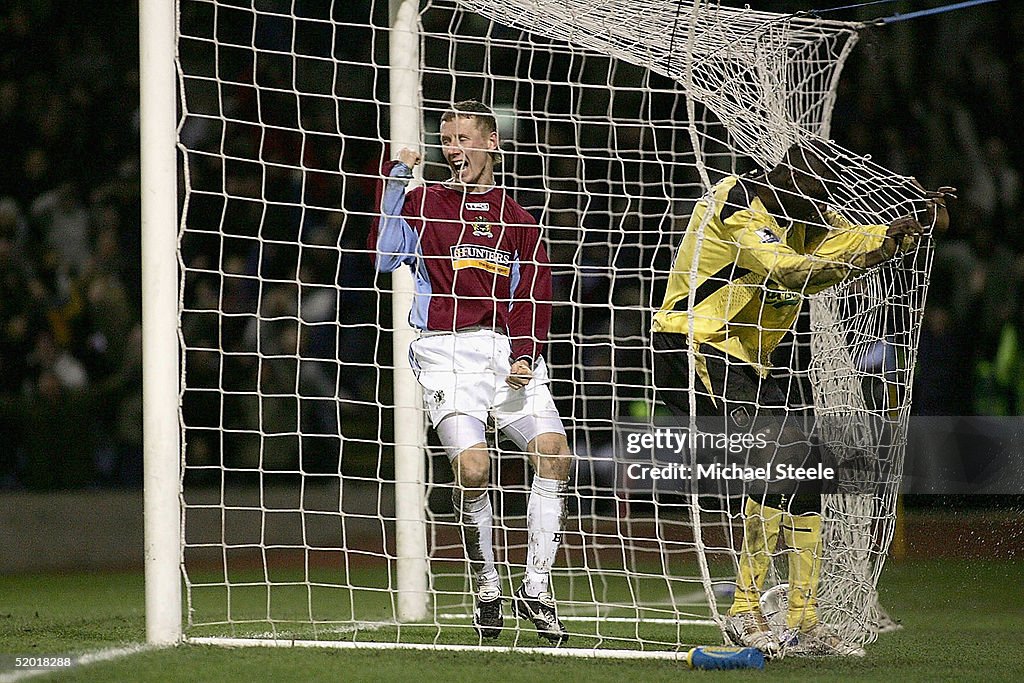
[(483, 310)]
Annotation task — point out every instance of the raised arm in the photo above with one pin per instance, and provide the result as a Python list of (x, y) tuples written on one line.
[(392, 240)]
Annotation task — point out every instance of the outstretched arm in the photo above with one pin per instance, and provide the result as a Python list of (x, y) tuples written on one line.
[(762, 251), (840, 253)]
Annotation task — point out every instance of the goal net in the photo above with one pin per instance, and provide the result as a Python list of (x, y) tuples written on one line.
[(616, 117)]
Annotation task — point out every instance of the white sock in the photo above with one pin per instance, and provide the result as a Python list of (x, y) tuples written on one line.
[(475, 517), (545, 513)]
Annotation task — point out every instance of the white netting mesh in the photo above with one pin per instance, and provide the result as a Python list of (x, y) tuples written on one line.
[(765, 76), (615, 118)]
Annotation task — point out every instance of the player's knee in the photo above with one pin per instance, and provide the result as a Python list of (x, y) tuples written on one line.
[(553, 457), (551, 444), (473, 469), (474, 477)]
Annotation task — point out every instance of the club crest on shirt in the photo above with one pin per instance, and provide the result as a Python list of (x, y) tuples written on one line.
[(479, 256), (767, 236), (438, 397), (482, 229)]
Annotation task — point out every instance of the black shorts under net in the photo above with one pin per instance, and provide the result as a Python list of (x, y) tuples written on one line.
[(741, 401)]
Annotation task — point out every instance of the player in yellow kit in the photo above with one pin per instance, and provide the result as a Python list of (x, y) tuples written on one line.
[(751, 253)]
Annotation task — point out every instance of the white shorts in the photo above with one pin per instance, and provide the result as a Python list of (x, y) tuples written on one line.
[(465, 373)]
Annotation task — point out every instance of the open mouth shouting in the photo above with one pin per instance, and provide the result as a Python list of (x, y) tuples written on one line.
[(459, 167)]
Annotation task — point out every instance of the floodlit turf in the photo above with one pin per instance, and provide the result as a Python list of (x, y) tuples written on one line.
[(355, 605), (963, 618)]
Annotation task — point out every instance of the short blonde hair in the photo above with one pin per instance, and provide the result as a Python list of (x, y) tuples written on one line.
[(475, 109)]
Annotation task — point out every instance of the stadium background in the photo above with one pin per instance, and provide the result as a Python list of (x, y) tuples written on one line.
[(935, 97)]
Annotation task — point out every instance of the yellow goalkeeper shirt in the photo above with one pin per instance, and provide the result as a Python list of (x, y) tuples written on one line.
[(752, 274)]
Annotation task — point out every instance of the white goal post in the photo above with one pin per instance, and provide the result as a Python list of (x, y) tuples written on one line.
[(410, 437), (161, 428), (293, 493)]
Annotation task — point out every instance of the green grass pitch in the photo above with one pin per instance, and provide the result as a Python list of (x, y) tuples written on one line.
[(963, 621)]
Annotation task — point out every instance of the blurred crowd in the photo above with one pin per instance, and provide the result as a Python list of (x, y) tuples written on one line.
[(936, 98), (933, 98), (70, 340)]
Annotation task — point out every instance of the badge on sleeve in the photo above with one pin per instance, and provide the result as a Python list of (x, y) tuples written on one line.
[(767, 236)]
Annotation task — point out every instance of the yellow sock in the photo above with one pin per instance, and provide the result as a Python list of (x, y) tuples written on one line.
[(760, 536), (802, 534)]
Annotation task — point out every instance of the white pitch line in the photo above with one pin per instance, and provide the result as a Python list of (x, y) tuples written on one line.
[(83, 659)]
